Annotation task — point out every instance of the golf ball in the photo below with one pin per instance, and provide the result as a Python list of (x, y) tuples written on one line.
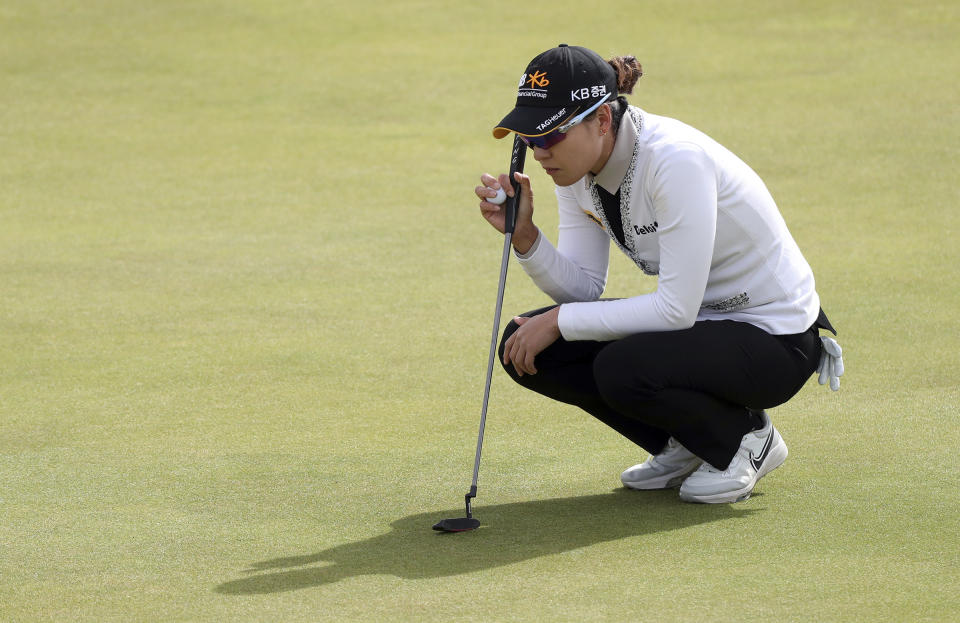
[(500, 198)]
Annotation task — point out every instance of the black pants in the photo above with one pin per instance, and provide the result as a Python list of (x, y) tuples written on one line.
[(699, 385)]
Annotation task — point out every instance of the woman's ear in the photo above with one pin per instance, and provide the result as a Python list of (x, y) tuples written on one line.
[(605, 118)]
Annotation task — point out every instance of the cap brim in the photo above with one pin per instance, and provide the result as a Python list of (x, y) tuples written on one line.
[(533, 120)]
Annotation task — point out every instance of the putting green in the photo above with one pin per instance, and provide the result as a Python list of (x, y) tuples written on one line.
[(247, 297)]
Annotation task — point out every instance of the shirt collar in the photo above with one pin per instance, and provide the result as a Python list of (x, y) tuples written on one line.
[(611, 175)]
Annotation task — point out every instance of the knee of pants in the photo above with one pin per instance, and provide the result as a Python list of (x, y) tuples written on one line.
[(620, 384)]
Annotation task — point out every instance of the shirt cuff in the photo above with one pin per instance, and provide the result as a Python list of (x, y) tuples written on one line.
[(532, 250), (573, 321)]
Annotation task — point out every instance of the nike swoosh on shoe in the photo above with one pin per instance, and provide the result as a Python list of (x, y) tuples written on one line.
[(757, 459)]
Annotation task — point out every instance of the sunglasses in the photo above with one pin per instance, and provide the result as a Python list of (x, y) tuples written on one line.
[(548, 140)]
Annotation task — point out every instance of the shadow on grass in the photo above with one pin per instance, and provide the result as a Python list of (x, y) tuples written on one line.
[(509, 533)]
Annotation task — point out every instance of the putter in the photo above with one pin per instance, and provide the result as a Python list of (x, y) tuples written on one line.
[(463, 524)]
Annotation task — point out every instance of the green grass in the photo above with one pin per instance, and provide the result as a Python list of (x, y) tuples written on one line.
[(247, 295)]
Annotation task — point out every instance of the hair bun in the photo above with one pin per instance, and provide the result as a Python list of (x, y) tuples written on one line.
[(628, 72)]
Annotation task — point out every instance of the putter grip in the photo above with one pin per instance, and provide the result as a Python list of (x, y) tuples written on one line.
[(517, 159)]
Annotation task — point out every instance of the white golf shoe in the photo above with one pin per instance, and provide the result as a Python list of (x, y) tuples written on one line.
[(761, 451), (664, 470)]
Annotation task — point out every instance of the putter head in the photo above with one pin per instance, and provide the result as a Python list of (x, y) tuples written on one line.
[(461, 524)]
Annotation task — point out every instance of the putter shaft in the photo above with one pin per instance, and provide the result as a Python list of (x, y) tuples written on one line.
[(504, 263)]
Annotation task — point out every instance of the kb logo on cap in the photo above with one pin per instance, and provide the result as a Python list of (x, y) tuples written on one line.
[(539, 79), (537, 82), (588, 92)]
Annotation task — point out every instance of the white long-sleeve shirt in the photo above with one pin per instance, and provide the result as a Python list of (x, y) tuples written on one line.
[(694, 214)]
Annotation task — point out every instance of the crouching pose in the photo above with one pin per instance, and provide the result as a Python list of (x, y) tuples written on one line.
[(733, 327)]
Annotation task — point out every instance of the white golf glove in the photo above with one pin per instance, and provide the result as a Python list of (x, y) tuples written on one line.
[(831, 363)]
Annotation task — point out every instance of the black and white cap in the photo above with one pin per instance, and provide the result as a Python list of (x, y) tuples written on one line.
[(556, 85)]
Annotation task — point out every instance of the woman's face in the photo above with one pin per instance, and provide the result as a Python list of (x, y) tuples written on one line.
[(581, 151)]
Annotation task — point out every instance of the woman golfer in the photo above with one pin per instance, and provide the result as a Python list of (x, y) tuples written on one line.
[(733, 327)]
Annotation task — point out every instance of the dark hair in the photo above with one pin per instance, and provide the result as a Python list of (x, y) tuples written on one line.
[(628, 70)]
